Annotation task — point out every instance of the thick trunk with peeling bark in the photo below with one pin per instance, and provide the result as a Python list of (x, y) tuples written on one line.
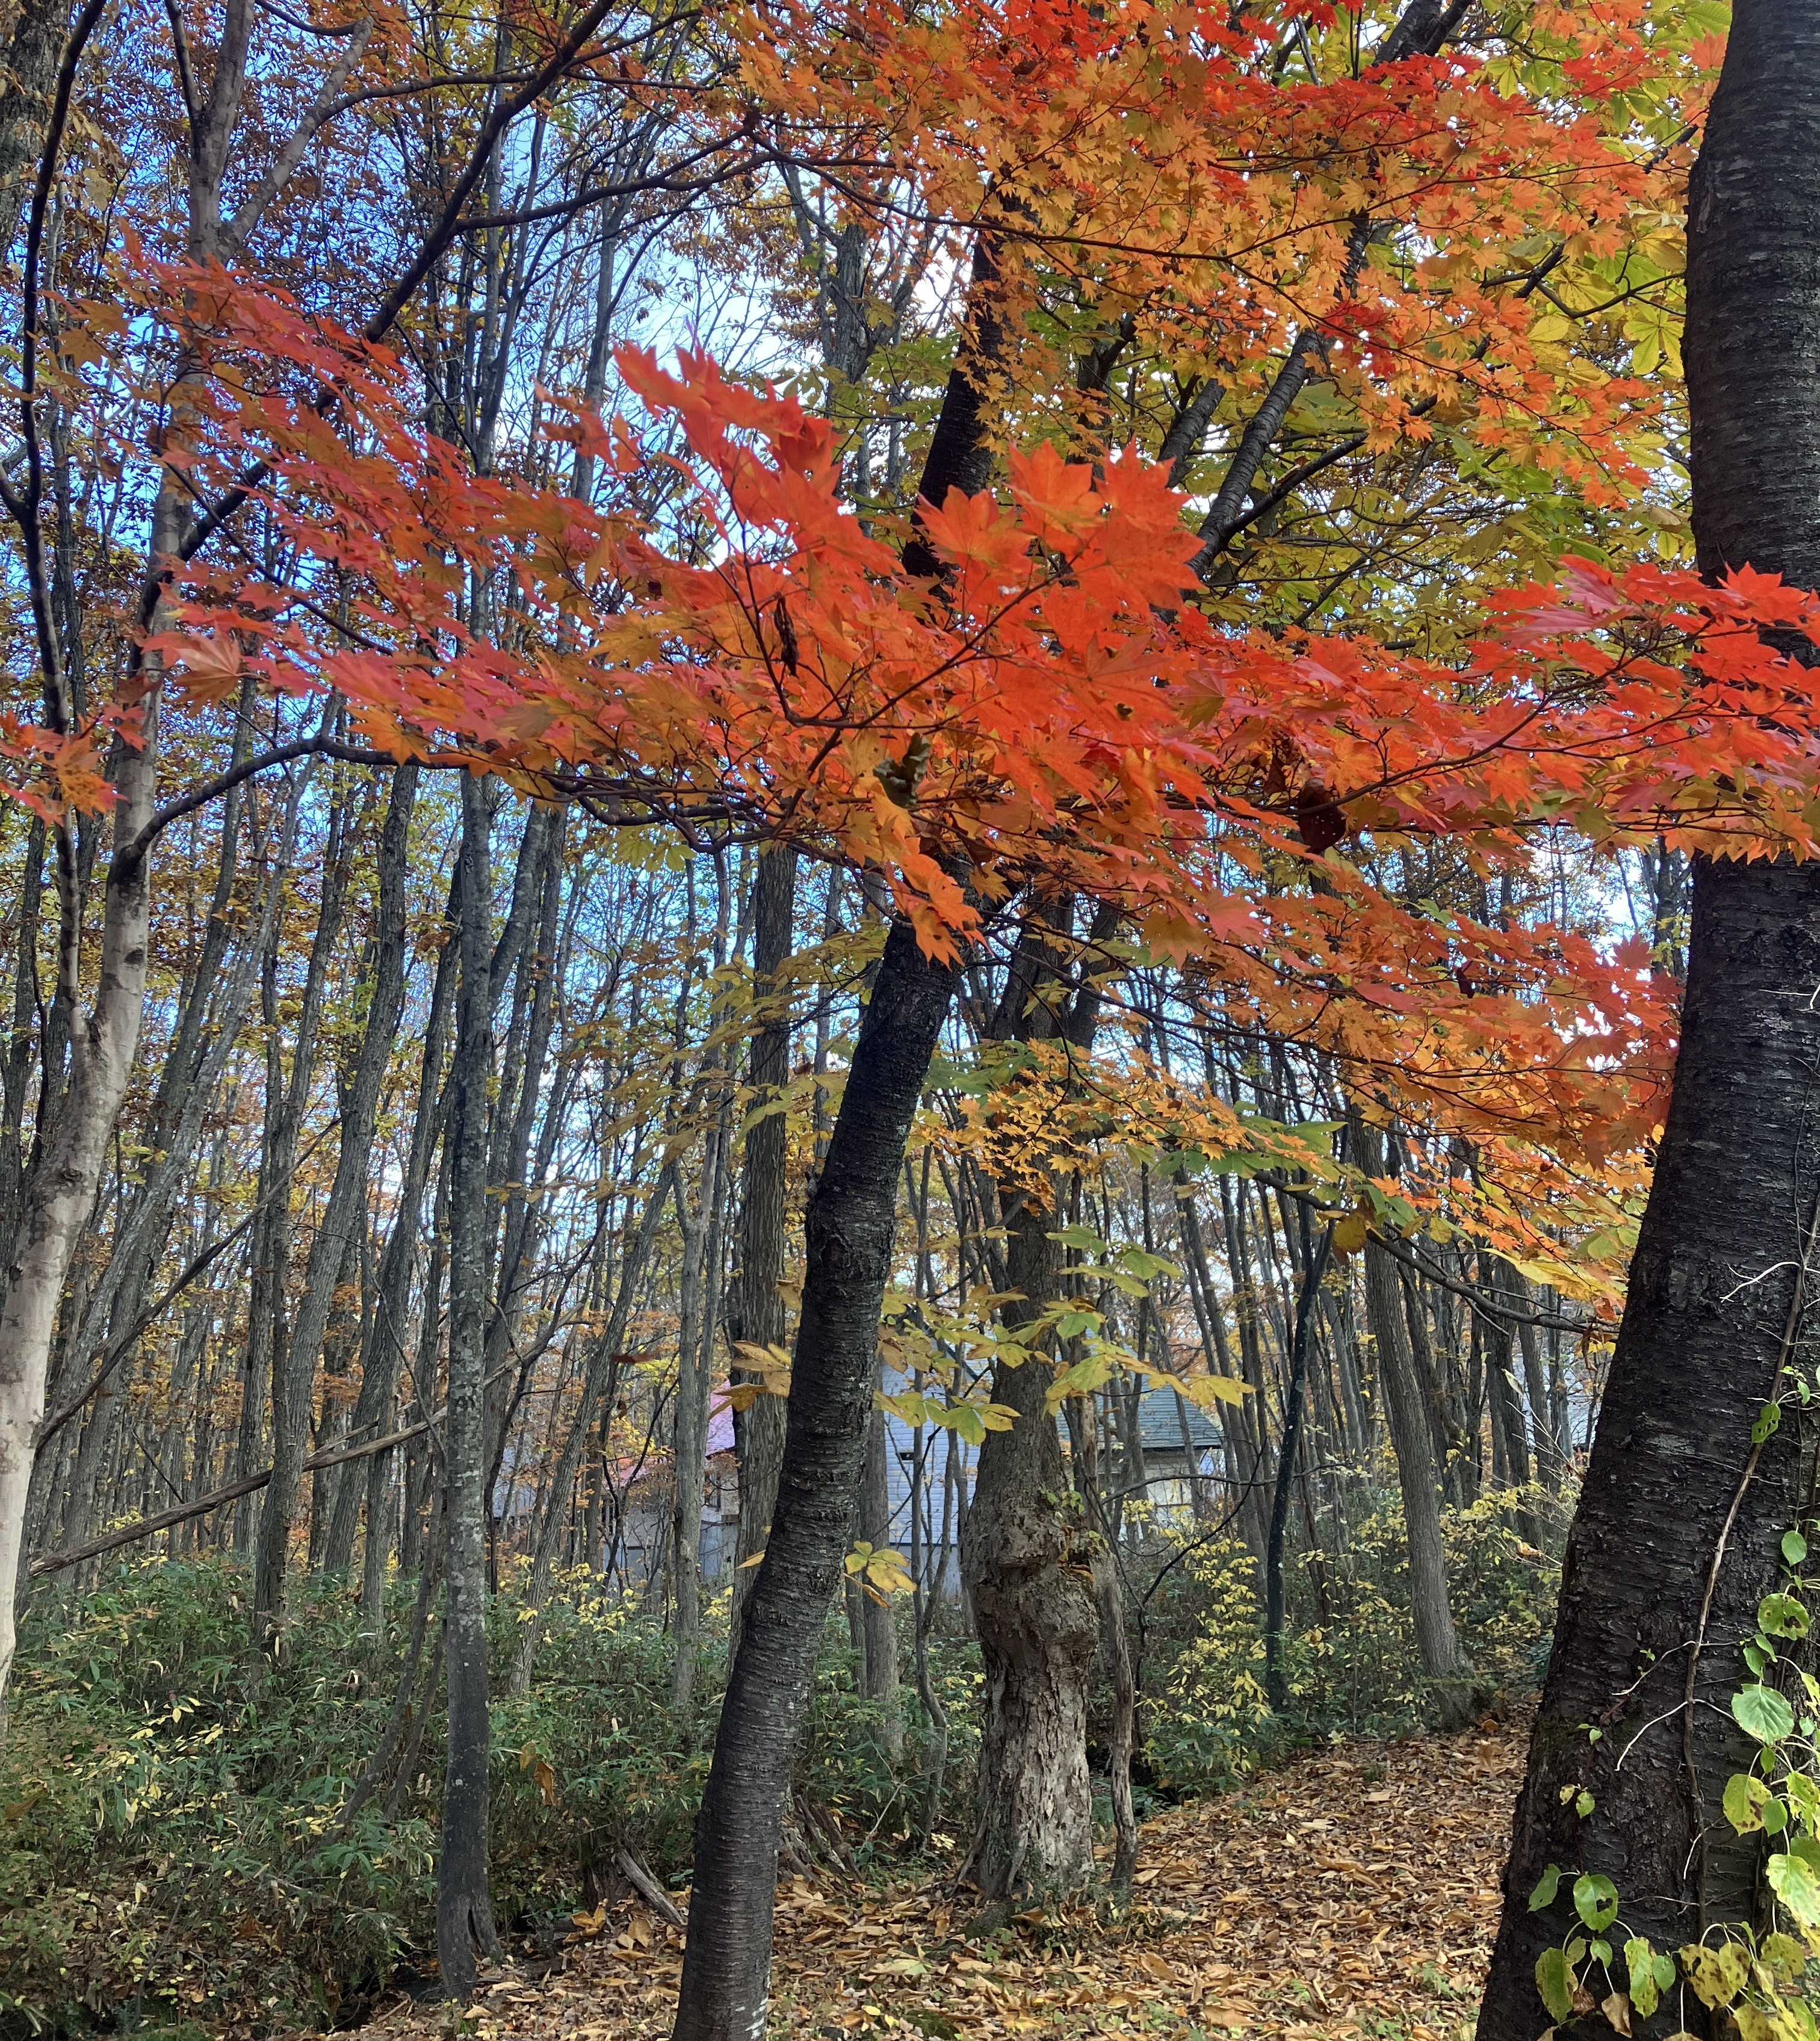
[(1026, 1556)]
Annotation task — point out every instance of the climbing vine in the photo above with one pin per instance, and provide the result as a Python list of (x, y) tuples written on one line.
[(1754, 1974)]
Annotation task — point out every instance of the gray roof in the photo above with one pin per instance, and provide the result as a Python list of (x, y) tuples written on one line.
[(1159, 1424)]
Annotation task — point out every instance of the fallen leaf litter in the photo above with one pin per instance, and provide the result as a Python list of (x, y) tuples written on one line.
[(1352, 1894)]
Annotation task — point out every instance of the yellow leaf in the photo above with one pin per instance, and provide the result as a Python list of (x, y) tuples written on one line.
[(1349, 1233)]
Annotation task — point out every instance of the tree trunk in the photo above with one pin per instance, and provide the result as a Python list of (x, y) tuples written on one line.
[(596, 1394), (689, 1438), (1276, 1679), (850, 1231), (294, 1382), (758, 1312), (1677, 1533), (878, 1625), (1437, 1642), (464, 1928), (63, 1186), (382, 1345), (1025, 1555)]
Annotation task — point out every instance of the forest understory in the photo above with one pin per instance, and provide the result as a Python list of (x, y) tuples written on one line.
[(1353, 1893)]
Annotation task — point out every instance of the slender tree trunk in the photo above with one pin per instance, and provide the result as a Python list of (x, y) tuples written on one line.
[(465, 1929), (850, 1231), (596, 1394), (1676, 1537), (342, 1215), (689, 1438), (758, 1314), (63, 1186), (382, 1344), (1437, 1641), (1276, 1679), (879, 1632)]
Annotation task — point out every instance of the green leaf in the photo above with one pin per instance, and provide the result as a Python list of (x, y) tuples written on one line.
[(1555, 1983), (1768, 1418), (1546, 1886), (1596, 1901), (1583, 1803), (1761, 1712), (1640, 1961), (1775, 1818), (1794, 1547), (1794, 1882), (1782, 1615)]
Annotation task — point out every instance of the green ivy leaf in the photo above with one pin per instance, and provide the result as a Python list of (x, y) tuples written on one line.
[(1767, 1419), (1640, 1961), (1761, 1712), (1782, 1615), (1555, 1983), (1546, 1886), (1596, 1901), (1794, 1547)]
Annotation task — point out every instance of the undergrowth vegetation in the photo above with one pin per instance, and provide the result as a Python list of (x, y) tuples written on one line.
[(175, 1856)]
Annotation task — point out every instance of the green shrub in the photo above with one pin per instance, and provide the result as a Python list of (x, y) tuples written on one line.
[(172, 1848), (1349, 1651)]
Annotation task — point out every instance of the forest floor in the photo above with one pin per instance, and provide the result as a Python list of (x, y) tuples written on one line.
[(1352, 1896)]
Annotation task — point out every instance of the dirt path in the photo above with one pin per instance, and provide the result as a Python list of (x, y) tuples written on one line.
[(1353, 1894)]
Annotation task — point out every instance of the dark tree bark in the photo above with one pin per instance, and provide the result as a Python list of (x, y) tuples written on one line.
[(465, 1929), (849, 1231), (758, 1315), (1676, 1536)]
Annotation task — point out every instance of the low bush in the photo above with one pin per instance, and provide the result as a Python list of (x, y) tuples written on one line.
[(1349, 1651), (172, 1845)]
